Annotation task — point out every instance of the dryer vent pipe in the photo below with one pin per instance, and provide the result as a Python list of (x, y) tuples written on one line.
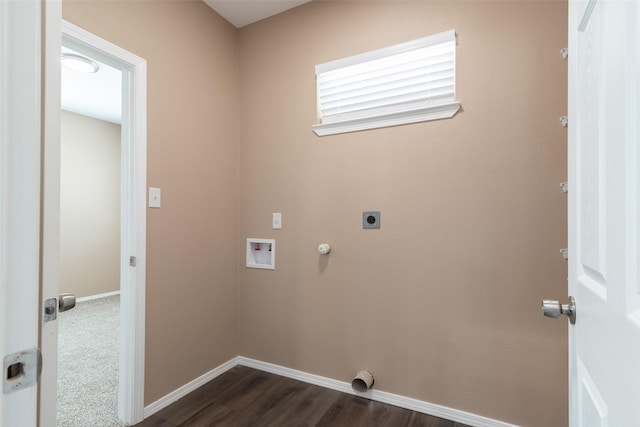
[(362, 382)]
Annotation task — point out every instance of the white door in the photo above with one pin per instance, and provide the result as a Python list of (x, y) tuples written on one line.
[(604, 185), (20, 124)]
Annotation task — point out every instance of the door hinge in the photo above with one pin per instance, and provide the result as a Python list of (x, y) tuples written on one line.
[(565, 253), (132, 261), (564, 186), (564, 121), (564, 52), (21, 370)]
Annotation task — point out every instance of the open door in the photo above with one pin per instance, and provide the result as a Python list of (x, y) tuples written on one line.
[(604, 192), (133, 216), (20, 154)]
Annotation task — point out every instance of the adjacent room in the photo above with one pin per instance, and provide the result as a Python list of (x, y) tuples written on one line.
[(439, 295)]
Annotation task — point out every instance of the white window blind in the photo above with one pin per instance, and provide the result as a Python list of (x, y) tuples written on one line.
[(406, 83)]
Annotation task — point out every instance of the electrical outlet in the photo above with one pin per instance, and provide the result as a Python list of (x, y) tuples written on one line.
[(371, 219)]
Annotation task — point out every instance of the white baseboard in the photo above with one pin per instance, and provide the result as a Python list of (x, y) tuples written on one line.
[(188, 388), (379, 396), (98, 296), (344, 387)]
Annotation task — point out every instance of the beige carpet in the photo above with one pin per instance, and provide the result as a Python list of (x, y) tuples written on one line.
[(88, 364)]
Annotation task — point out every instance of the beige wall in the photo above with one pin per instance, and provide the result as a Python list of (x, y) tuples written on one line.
[(442, 303), (191, 55), (89, 205)]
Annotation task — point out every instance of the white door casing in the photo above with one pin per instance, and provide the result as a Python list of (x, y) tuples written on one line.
[(133, 218), (604, 185), (50, 211)]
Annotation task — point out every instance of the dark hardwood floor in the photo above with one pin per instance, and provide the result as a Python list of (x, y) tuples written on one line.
[(247, 397)]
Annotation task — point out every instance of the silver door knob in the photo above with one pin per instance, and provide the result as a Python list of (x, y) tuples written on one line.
[(553, 308), (66, 302)]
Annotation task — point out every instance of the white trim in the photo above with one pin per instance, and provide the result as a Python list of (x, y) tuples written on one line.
[(50, 240), (133, 221), (434, 112), (379, 396), (98, 296), (175, 395)]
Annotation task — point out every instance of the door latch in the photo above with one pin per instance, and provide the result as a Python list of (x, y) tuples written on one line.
[(52, 306), (20, 370), (50, 310)]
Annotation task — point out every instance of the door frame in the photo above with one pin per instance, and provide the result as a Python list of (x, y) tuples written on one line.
[(132, 218)]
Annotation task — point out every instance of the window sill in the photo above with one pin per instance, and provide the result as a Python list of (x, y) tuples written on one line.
[(434, 112)]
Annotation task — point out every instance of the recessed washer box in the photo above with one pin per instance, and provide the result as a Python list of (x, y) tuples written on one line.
[(261, 253), (371, 219)]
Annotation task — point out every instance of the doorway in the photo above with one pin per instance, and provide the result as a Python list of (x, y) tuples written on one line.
[(90, 240), (132, 234)]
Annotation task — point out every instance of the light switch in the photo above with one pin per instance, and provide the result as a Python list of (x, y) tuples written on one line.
[(277, 221), (154, 197)]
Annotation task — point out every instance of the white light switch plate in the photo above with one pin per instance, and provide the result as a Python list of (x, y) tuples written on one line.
[(154, 197), (277, 221)]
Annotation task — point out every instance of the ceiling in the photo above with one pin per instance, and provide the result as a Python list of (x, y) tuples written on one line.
[(245, 12), (99, 95)]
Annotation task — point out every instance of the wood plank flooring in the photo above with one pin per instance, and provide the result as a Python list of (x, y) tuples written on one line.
[(243, 397)]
